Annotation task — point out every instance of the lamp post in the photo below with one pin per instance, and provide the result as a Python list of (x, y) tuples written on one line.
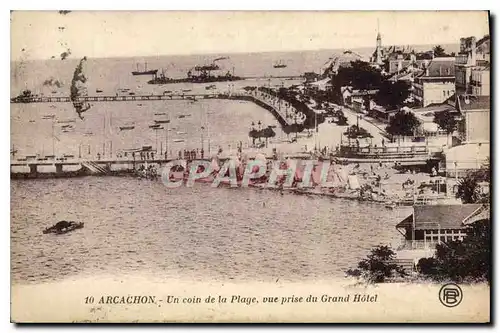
[(202, 145)]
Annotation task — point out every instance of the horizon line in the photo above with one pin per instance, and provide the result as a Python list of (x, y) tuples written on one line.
[(233, 52)]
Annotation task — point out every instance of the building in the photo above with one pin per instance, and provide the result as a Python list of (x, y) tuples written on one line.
[(401, 62), (473, 55), (436, 83), (311, 77), (480, 81), (474, 133), (475, 127), (428, 128), (358, 99), (429, 225), (460, 160)]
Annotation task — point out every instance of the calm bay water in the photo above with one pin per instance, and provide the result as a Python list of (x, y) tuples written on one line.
[(141, 227), (134, 226)]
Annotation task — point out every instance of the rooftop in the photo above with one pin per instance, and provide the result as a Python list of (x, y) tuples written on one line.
[(440, 67), (472, 102), (439, 216)]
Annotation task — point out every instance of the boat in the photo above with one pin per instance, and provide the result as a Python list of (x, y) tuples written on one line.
[(279, 64), (180, 133), (66, 121), (164, 121), (48, 116), (54, 92), (98, 91), (178, 140), (210, 87), (131, 93), (181, 116), (154, 126), (145, 71), (32, 121), (25, 97), (63, 227), (160, 114), (126, 128), (210, 67)]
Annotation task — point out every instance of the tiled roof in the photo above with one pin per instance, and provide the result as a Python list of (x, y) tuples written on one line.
[(471, 102), (441, 67), (439, 216), (483, 214)]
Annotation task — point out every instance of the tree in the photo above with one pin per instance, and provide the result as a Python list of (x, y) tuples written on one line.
[(468, 187), (267, 133), (354, 132), (446, 121), (378, 266), (439, 51), (460, 261), (403, 123), (254, 134), (392, 95), (359, 75)]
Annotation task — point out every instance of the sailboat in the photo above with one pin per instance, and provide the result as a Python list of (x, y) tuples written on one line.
[(279, 64), (145, 71)]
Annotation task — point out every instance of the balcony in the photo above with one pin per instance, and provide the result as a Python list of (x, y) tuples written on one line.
[(417, 245)]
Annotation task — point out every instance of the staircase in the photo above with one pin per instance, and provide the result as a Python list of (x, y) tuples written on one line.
[(406, 264), (94, 168)]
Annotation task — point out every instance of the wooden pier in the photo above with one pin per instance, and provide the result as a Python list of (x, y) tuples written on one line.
[(116, 98)]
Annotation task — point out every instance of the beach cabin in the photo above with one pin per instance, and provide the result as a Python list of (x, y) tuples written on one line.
[(433, 224)]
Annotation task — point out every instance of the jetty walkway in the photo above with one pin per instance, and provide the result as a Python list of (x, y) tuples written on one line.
[(111, 98), (279, 108)]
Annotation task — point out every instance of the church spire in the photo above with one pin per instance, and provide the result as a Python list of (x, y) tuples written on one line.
[(378, 50), (379, 37)]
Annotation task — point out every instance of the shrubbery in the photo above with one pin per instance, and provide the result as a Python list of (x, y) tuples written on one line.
[(378, 266)]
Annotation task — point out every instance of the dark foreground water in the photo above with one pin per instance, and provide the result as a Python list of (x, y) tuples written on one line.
[(134, 226)]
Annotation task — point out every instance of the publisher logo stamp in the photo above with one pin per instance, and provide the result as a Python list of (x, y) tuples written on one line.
[(450, 295)]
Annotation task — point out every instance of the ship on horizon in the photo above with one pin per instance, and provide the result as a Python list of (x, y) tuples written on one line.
[(145, 71), (279, 64)]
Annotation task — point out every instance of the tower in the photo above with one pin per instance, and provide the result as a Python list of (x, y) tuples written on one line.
[(378, 50)]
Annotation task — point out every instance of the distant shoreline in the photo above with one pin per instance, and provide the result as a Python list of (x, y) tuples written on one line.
[(448, 47)]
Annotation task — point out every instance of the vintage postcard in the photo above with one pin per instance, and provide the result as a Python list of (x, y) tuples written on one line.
[(261, 167)]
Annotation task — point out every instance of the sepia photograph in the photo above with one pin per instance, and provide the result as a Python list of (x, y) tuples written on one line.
[(250, 166)]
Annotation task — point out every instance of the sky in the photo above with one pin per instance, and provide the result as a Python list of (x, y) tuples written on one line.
[(96, 34)]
